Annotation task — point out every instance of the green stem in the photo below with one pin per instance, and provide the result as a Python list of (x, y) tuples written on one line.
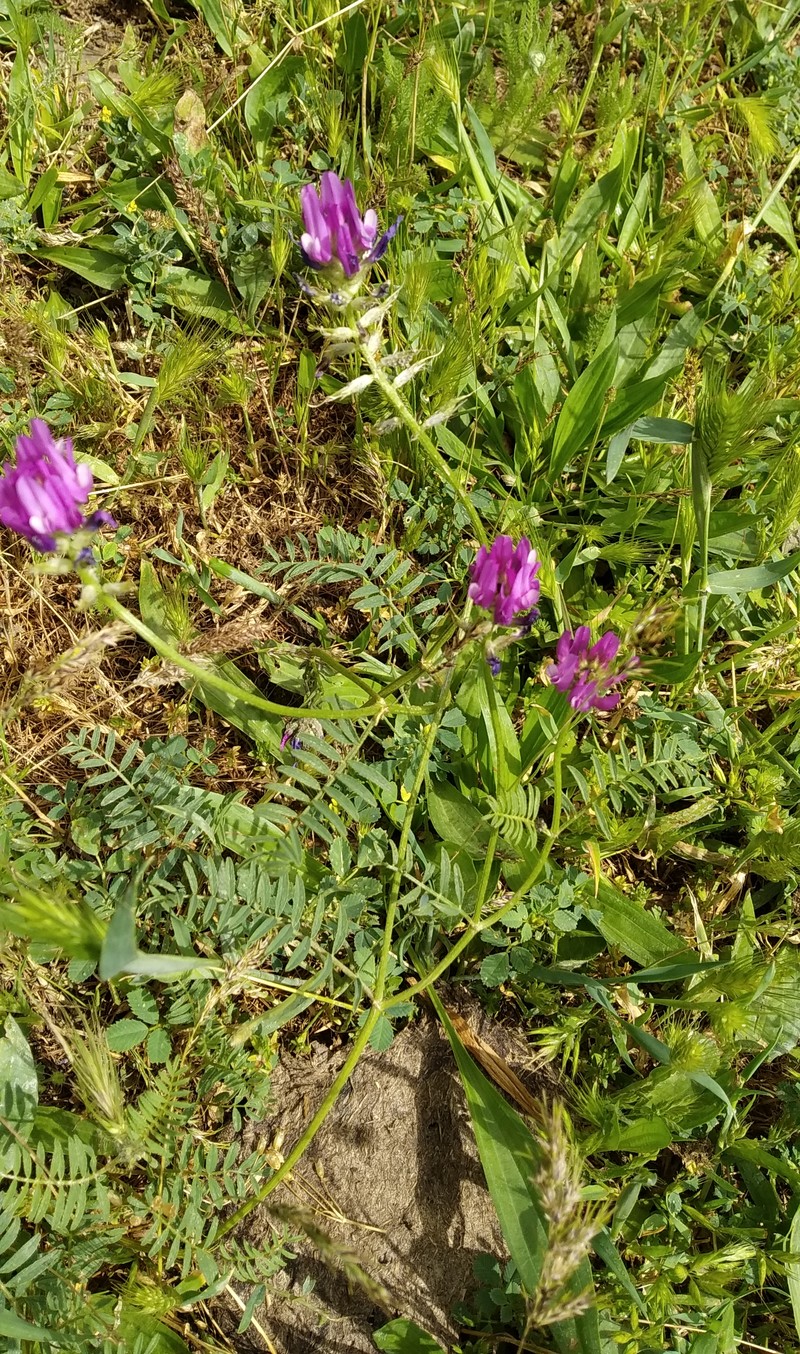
[(558, 781), (209, 677), (311, 1131), (701, 503), (487, 197), (434, 456), (486, 874), (576, 121), (490, 693), (328, 660), (379, 1006), (475, 926), (494, 837)]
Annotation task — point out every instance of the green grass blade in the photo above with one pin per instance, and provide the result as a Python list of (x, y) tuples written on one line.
[(509, 1156), (582, 409)]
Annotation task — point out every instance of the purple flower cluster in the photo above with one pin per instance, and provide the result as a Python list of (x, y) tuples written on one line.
[(42, 495), (504, 579), (587, 672), (335, 230)]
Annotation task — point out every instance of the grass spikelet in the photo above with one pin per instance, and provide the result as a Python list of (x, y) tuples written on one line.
[(188, 357)]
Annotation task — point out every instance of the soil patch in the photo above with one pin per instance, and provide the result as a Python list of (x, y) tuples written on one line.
[(393, 1178), (106, 18)]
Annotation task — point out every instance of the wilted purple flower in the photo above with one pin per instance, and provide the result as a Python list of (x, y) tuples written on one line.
[(335, 229), (504, 579), (586, 671), (292, 737), (41, 496)]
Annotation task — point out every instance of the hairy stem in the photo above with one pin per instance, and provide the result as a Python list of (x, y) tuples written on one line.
[(208, 676), (431, 451)]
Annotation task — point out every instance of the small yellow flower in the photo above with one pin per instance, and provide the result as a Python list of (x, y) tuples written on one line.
[(105, 113), (223, 230), (133, 206)]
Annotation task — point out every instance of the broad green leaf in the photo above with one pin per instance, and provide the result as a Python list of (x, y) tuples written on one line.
[(126, 1034), (583, 409), (19, 1087), (109, 95), (355, 44), (793, 1268), (762, 1000), (16, 1329), (503, 768), (488, 736), (484, 144), (777, 216), (101, 470), (122, 193), (204, 296), (705, 1344), (171, 966), (268, 99), (646, 1137), (603, 1246), (119, 947), (98, 266), (738, 581), (672, 353), (10, 186), (43, 187), (631, 402), (635, 215), (708, 1083), (20, 115), (601, 197), (616, 452), (627, 926), (136, 1327), (382, 1034), (509, 1156), (705, 212), (745, 1149), (121, 955), (455, 819), (153, 602), (405, 1337), (672, 430), (264, 730), (222, 18), (495, 969)]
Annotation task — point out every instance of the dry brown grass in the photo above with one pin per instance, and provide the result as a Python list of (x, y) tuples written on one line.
[(63, 670)]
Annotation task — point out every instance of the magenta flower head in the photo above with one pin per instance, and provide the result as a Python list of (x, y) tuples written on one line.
[(335, 231), (42, 495), (504, 579), (587, 672)]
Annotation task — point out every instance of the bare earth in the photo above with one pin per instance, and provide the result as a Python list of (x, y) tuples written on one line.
[(396, 1162)]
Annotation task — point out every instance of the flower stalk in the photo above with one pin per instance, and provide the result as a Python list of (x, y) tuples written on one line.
[(425, 441), (379, 1005)]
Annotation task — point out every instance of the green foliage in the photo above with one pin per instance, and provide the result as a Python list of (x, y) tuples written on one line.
[(515, 92), (598, 283)]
